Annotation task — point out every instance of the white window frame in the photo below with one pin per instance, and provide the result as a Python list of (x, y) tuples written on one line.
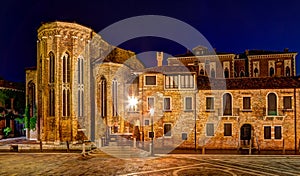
[(170, 103), (231, 129), (213, 108), (206, 129), (192, 104), (148, 108), (264, 132), (170, 130), (281, 132), (243, 103)]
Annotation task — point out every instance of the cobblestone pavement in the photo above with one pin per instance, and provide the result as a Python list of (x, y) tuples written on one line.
[(101, 164)]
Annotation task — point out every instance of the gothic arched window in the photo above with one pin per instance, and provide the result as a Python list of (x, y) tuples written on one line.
[(201, 72), (51, 67), (115, 97), (51, 102), (66, 68), (80, 81), (103, 103), (272, 71)]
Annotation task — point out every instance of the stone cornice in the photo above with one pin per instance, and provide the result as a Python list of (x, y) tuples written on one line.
[(267, 56), (223, 56)]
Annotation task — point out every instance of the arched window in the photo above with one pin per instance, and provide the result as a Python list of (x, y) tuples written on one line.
[(227, 104), (80, 81), (226, 73), (51, 102), (66, 103), (201, 72), (242, 73), (115, 97), (212, 73), (103, 103), (272, 104), (272, 72), (66, 68), (51, 67), (287, 71), (31, 98), (255, 72)]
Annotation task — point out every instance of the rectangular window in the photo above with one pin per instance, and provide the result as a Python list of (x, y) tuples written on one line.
[(209, 103), (210, 129), (171, 81), (167, 104), (267, 132), (246, 103), (287, 102), (150, 80), (184, 136), (278, 134), (186, 81), (167, 129), (150, 102), (147, 122), (188, 104), (227, 129)]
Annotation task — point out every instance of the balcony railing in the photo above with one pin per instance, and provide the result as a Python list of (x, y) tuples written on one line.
[(275, 112), (229, 112)]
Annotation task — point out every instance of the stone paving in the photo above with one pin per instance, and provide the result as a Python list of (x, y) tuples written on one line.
[(175, 164)]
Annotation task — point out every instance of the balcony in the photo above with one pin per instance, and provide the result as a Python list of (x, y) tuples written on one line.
[(275, 114), (228, 114)]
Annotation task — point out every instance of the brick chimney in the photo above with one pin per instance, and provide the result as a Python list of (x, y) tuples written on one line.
[(159, 58)]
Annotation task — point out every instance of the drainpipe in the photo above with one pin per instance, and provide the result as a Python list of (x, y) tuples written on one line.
[(295, 120), (195, 115)]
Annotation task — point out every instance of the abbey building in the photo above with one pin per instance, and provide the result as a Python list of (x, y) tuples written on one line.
[(83, 86)]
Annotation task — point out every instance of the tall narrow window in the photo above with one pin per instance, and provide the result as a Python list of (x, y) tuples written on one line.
[(66, 102), (267, 132), (210, 129), (226, 73), (167, 104), (246, 103), (287, 71), (212, 73), (209, 103), (272, 104), (167, 129), (255, 72), (227, 104), (66, 68), (51, 67), (51, 102), (188, 104), (150, 102), (80, 82), (115, 97), (227, 129), (287, 102), (277, 130), (272, 71), (103, 102)]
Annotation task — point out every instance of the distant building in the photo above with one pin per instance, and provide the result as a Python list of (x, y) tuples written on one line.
[(12, 104), (82, 82)]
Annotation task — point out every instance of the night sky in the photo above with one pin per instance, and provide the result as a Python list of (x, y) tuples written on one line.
[(229, 26)]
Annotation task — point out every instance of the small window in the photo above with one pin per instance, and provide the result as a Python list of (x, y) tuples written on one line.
[(287, 102), (167, 129), (167, 104), (171, 81), (147, 122), (150, 80), (267, 132), (188, 103), (184, 136), (277, 130), (210, 129), (227, 129), (246, 103), (209, 103), (150, 102)]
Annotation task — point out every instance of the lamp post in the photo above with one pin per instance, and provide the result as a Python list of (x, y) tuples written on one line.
[(152, 132)]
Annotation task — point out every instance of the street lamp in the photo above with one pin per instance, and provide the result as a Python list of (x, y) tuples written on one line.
[(152, 132)]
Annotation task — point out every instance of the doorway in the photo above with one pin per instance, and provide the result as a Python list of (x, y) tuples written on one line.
[(245, 135)]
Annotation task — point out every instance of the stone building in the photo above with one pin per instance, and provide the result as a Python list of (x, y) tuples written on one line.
[(85, 87)]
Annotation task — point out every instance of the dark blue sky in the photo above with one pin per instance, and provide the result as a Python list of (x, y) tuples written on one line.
[(229, 26)]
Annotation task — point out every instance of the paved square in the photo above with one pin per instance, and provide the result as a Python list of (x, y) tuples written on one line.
[(101, 164)]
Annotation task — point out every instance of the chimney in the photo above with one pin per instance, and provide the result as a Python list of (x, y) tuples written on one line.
[(247, 52), (159, 58), (286, 50)]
